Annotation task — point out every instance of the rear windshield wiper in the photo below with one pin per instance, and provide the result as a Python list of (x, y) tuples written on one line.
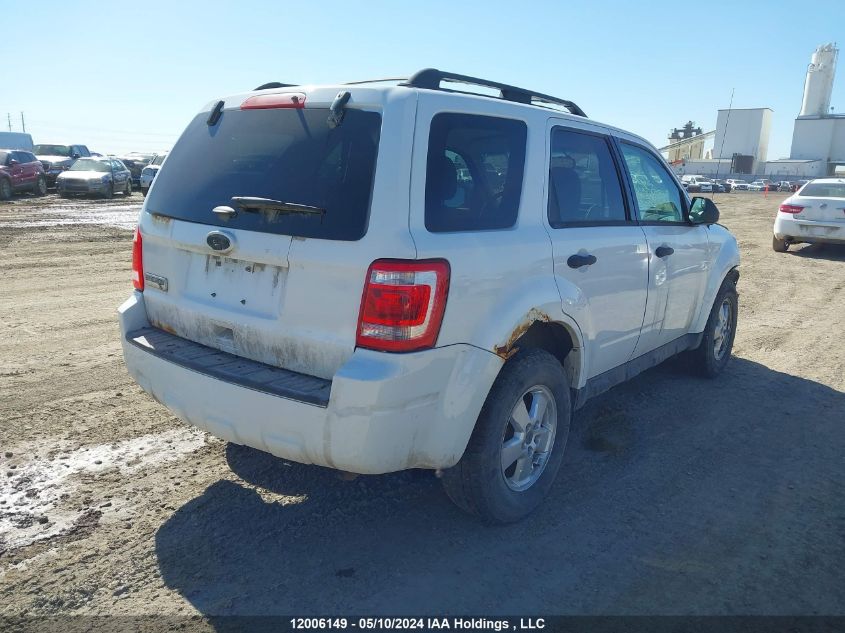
[(248, 203)]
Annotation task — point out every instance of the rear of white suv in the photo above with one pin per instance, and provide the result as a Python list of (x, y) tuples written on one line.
[(248, 318)]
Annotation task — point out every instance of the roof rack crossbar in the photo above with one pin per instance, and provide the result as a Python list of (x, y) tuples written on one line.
[(430, 78)]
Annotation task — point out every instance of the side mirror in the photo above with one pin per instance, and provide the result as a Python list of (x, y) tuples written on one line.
[(703, 211), (74, 156), (13, 162)]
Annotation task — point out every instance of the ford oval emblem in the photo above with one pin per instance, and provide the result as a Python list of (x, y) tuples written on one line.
[(218, 241)]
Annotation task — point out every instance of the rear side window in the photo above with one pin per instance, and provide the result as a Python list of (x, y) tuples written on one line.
[(584, 186), (474, 172), (286, 155)]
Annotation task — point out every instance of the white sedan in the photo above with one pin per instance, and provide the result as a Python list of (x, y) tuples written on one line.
[(814, 214)]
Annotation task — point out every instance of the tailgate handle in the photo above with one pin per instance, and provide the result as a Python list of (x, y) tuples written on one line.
[(224, 212)]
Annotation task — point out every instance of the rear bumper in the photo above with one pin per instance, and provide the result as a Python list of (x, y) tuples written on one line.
[(385, 412), (799, 230)]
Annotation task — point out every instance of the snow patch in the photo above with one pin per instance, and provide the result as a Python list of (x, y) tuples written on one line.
[(32, 495)]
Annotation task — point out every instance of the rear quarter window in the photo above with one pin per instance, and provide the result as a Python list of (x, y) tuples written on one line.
[(474, 172)]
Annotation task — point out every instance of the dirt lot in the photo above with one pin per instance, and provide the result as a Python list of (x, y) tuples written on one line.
[(677, 495)]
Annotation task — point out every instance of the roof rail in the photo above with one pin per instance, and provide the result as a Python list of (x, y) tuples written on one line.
[(274, 84), (430, 78), (374, 81)]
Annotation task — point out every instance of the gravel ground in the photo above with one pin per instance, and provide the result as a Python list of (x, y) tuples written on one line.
[(677, 495)]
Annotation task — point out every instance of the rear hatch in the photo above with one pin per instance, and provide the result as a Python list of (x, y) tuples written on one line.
[(823, 201), (279, 285)]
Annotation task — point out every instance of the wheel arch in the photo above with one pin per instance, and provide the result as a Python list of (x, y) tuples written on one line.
[(561, 337)]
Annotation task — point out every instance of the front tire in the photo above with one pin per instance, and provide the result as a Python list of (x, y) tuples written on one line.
[(108, 193), (517, 446), (128, 190), (779, 246), (714, 351), (40, 186)]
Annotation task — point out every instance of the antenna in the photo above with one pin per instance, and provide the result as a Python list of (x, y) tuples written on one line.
[(724, 134)]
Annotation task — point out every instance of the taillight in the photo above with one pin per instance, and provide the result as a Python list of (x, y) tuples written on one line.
[(282, 100), (791, 208), (403, 304), (137, 262)]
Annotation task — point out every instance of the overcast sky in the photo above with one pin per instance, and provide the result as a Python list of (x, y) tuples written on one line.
[(123, 76)]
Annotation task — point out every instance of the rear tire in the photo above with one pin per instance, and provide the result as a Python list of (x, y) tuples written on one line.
[(5, 189), (525, 420), (128, 191), (713, 353), (779, 246), (40, 186)]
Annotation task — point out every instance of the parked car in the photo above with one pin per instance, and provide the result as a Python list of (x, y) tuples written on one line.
[(332, 292), (16, 140), (149, 172), (796, 185), (814, 214), (136, 162), (58, 158), (737, 184), (763, 184), (20, 171), (724, 186), (103, 176), (696, 184)]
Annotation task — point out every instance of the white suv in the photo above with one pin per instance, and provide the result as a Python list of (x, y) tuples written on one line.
[(379, 277)]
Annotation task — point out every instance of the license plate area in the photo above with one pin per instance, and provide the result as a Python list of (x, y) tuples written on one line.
[(235, 284)]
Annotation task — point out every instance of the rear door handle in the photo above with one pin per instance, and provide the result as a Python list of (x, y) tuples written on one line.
[(664, 251), (576, 261)]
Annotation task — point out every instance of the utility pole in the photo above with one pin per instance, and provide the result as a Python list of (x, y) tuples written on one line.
[(9, 118), (23, 124)]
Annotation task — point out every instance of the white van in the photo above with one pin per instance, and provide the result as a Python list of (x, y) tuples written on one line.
[(16, 140)]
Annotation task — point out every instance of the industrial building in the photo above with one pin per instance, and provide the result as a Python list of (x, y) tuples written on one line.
[(741, 138)]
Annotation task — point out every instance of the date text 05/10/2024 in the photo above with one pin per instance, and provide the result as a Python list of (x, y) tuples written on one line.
[(409, 624)]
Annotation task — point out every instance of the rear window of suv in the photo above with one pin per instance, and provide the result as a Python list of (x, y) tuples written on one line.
[(474, 172), (287, 155)]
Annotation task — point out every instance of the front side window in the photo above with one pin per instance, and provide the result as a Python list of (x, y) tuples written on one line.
[(474, 172), (658, 198), (584, 185)]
